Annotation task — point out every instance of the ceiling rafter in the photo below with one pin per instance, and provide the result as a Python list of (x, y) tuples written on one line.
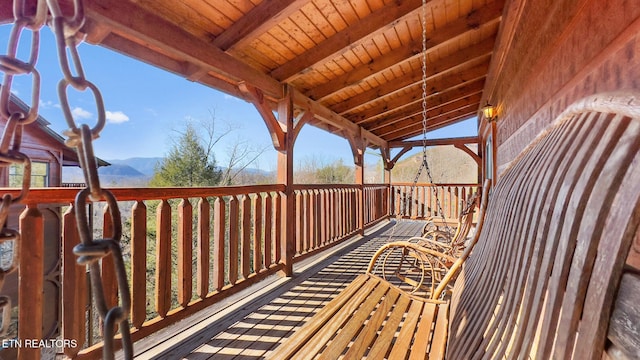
[(392, 87), (127, 18), (434, 123), (380, 113), (433, 115), (257, 21), (414, 112), (473, 22), (377, 21)]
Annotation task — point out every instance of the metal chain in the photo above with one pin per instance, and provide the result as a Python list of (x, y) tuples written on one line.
[(11, 140), (90, 250), (425, 164)]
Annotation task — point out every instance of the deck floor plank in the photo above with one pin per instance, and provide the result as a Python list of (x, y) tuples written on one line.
[(254, 329)]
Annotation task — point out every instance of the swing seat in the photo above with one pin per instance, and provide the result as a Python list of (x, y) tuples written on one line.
[(543, 278)]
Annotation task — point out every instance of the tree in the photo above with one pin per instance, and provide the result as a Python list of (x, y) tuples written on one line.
[(188, 163)]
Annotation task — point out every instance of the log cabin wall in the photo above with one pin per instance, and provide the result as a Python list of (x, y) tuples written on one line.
[(552, 53)]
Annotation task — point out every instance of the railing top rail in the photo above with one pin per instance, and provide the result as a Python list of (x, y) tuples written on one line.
[(325, 186), (65, 194), (430, 184)]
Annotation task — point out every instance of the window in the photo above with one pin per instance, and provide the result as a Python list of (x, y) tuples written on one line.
[(488, 156), (39, 174)]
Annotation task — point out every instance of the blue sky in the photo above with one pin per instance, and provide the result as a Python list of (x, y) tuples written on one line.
[(145, 104)]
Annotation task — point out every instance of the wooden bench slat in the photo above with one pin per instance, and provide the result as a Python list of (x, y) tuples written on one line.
[(369, 332), (423, 333), (300, 337), (341, 314), (439, 342), (407, 332), (347, 333), (383, 342)]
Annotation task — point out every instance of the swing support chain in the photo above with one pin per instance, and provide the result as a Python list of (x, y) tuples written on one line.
[(424, 163), (91, 252), (10, 143)]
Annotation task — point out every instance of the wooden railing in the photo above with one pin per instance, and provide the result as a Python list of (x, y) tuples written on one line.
[(420, 201), (187, 248)]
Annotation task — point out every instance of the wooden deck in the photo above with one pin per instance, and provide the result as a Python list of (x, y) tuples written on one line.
[(251, 324)]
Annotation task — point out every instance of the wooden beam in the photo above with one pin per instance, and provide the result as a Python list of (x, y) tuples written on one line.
[(357, 144), (433, 115), (181, 68), (444, 120), (382, 109), (276, 131), (408, 82), (132, 21), (468, 151), (407, 53), (435, 142), (325, 115), (378, 20), (434, 110), (256, 22), (305, 118), (395, 159)]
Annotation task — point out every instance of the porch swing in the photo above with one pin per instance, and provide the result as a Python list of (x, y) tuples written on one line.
[(407, 202)]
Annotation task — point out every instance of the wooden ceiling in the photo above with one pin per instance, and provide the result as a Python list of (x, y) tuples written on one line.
[(350, 64)]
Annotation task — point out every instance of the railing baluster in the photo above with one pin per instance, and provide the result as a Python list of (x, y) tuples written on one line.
[(299, 222), (278, 226), (31, 281), (317, 211), (219, 229), (202, 256), (74, 286), (185, 252), (257, 233), (163, 259), (233, 240), (109, 282), (307, 221), (138, 263), (268, 223), (245, 243)]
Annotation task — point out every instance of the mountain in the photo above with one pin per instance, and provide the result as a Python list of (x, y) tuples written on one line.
[(447, 165), (142, 164)]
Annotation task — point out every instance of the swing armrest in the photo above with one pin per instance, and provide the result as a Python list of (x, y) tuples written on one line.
[(435, 245), (408, 246)]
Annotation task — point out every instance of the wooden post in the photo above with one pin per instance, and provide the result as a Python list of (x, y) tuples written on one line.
[(31, 281), (285, 176), (358, 146)]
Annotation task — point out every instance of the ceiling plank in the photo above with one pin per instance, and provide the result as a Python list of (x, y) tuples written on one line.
[(127, 18), (431, 112), (376, 21), (257, 21), (325, 115), (375, 94), (484, 16), (432, 115), (434, 123), (382, 110)]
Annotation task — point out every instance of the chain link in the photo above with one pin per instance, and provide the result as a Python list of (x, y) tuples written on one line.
[(424, 163), (90, 251), (15, 119)]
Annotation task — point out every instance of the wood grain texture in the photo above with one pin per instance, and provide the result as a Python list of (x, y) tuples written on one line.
[(558, 230)]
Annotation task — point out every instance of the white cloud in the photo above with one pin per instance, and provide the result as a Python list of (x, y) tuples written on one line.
[(47, 104), (81, 113), (116, 117)]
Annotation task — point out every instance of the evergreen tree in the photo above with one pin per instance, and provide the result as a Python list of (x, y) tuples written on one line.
[(188, 164)]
